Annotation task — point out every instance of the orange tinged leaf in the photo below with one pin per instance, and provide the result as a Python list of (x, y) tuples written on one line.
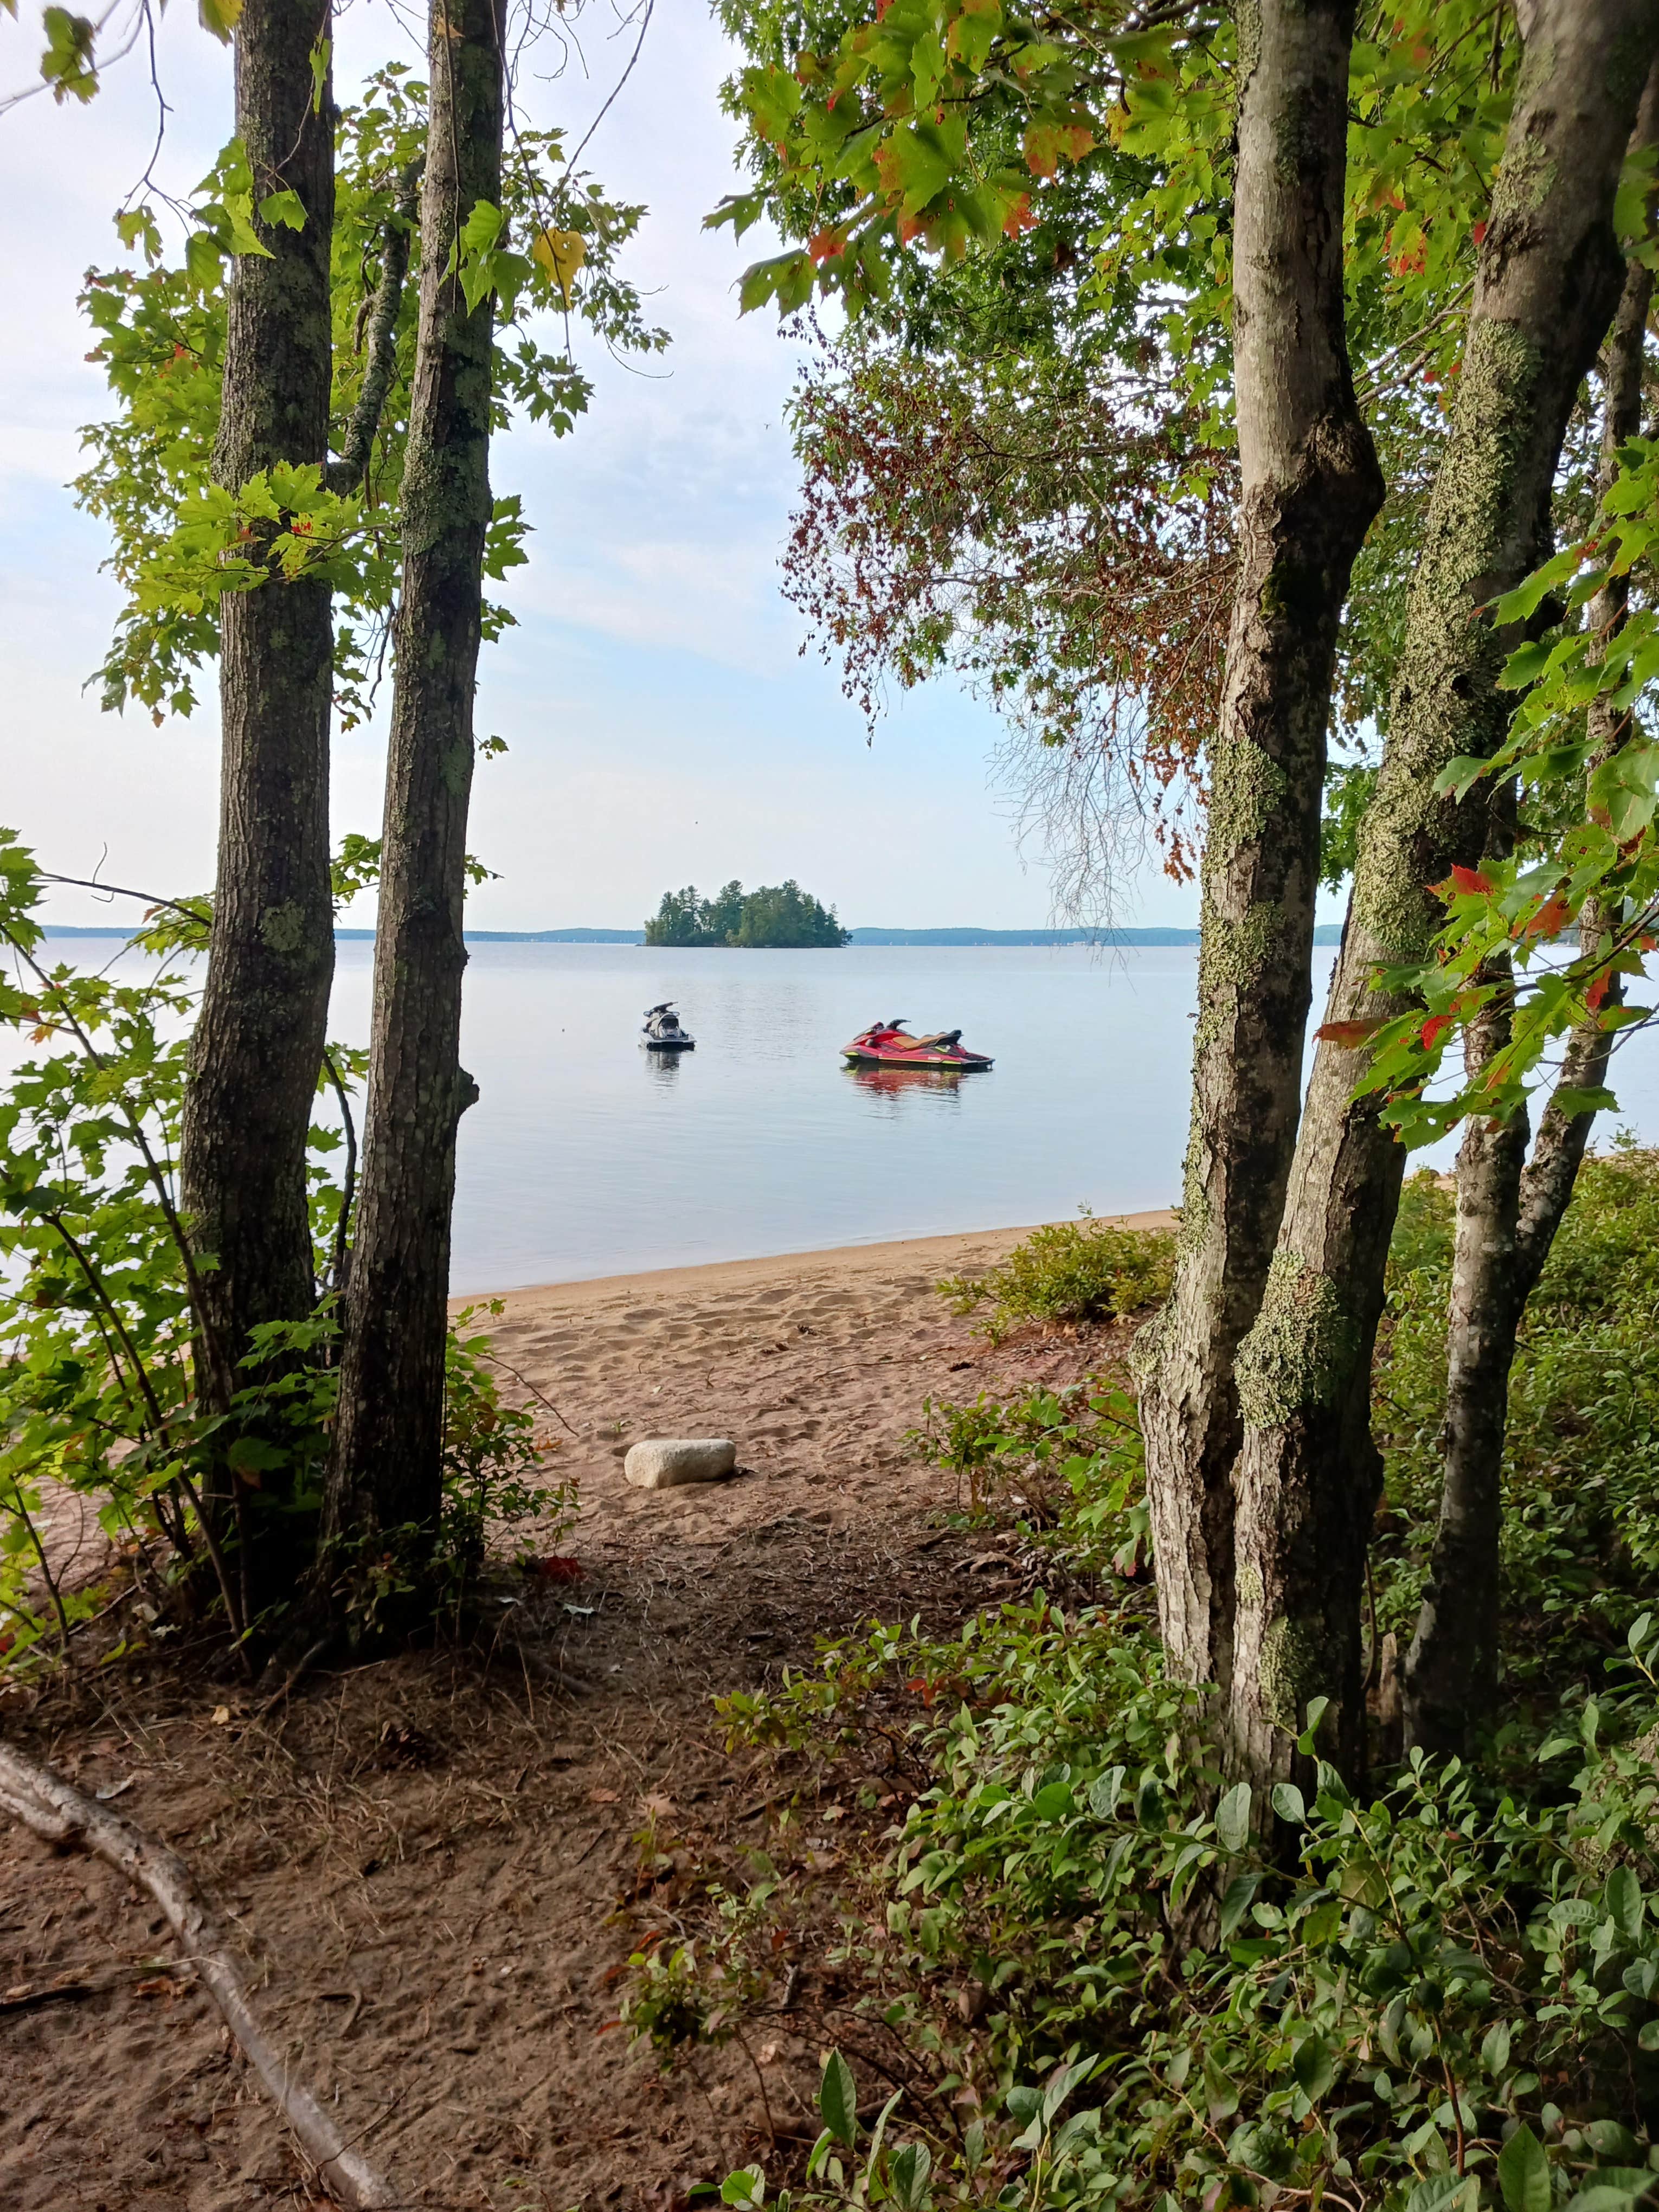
[(1550, 919), (1349, 1034), (1434, 1029), (1595, 996), (1471, 880)]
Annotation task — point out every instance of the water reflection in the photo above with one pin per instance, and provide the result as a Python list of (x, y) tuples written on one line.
[(895, 1082), (663, 1067)]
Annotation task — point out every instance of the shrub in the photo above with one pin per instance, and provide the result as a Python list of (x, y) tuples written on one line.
[(1448, 2004), (1068, 1271), (1095, 1985), (1581, 1471)]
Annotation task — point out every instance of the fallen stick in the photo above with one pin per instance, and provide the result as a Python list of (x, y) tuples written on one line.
[(43, 1801)]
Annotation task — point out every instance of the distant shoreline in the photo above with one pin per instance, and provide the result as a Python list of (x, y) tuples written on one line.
[(1329, 932)]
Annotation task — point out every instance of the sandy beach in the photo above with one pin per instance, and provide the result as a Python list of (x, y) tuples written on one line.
[(439, 1864), (815, 1363)]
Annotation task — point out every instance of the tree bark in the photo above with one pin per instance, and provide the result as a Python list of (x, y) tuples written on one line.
[(1310, 487), (386, 1474), (1549, 277), (1508, 1210), (258, 1038)]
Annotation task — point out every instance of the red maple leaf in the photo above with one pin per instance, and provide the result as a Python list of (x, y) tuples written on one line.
[(1550, 919), (1597, 993), (1347, 1034), (1434, 1029), (1471, 880)]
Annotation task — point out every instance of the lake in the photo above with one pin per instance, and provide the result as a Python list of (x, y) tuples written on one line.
[(586, 1156)]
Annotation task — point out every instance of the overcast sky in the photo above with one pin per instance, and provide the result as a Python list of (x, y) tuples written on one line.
[(662, 725)]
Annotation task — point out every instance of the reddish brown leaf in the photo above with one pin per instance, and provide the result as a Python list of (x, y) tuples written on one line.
[(1550, 919), (1471, 880)]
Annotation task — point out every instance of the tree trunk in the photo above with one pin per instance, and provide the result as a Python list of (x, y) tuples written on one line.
[(1310, 487), (1549, 277), (258, 1038), (386, 1476), (1508, 1212)]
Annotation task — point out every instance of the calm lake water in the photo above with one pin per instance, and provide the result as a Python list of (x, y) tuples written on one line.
[(586, 1156)]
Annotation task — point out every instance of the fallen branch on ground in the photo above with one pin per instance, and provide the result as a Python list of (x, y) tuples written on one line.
[(49, 1806)]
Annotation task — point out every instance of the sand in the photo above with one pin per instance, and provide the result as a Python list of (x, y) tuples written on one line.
[(814, 1363), (437, 1866)]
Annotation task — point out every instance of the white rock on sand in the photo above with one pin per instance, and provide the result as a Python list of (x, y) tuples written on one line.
[(665, 1463)]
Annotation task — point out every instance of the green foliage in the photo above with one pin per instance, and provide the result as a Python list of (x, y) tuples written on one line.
[(1446, 1991), (101, 1317), (1581, 1464), (1070, 1461), (772, 916), (179, 539), (1598, 801), (1068, 1271)]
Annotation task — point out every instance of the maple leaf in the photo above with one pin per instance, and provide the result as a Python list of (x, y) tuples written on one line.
[(1596, 995), (1550, 919), (1434, 1029), (1349, 1034), (1471, 880)]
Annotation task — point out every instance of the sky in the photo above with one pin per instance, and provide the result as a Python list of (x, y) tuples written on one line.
[(664, 724)]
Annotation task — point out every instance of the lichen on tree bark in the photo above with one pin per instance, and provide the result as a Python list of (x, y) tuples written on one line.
[(259, 1039), (1549, 275), (1310, 487), (386, 1474)]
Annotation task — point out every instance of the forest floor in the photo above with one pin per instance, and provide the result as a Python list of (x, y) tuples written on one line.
[(439, 1865)]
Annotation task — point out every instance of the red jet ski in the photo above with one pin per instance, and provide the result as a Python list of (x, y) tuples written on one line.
[(888, 1044)]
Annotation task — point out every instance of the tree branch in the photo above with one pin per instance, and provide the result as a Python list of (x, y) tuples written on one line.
[(346, 473), (52, 1809)]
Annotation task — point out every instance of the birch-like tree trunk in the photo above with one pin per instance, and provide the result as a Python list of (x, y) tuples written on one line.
[(259, 1039), (386, 1474), (1549, 279), (1509, 1209), (1310, 488)]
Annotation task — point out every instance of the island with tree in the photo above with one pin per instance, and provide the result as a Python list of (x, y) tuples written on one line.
[(773, 915)]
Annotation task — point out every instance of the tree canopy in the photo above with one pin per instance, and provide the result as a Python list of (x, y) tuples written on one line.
[(773, 915)]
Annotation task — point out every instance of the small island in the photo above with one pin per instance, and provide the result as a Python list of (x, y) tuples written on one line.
[(774, 915)]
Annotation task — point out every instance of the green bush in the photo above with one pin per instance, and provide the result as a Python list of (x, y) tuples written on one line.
[(98, 1324), (1100, 1990), (1448, 2004), (1580, 1471), (1068, 1271)]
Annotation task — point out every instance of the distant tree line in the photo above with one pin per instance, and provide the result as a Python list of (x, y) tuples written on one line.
[(774, 914)]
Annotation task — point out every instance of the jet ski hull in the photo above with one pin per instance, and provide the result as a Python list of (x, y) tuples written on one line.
[(671, 1044), (859, 1055)]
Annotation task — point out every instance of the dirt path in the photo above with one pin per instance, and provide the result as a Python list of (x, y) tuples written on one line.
[(440, 1864)]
